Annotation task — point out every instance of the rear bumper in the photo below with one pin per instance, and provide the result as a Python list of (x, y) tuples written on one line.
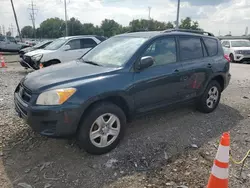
[(49, 121)]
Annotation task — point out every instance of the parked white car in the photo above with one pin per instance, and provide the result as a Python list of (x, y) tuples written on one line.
[(238, 50), (9, 44), (61, 50)]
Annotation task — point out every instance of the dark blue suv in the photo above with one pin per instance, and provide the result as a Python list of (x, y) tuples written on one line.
[(126, 75)]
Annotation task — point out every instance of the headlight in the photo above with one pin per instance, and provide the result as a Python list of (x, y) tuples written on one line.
[(37, 57), (55, 97), (238, 51)]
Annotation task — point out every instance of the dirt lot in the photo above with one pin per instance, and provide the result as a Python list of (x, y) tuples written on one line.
[(159, 150)]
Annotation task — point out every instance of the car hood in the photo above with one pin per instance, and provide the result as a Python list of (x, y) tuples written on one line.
[(64, 73), (39, 51), (28, 49), (241, 48)]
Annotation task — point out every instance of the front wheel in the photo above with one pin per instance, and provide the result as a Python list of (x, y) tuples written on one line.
[(102, 128), (210, 98)]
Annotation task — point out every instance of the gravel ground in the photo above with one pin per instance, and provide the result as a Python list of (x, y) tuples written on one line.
[(166, 149)]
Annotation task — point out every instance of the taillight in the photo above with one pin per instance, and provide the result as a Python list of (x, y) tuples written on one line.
[(227, 58)]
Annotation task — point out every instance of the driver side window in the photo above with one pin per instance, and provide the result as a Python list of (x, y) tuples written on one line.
[(74, 44), (162, 50)]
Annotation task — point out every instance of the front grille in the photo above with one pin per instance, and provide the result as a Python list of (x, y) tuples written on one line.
[(246, 52), (24, 94), (27, 59)]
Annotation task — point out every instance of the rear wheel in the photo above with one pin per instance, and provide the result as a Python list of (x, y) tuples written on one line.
[(231, 58), (210, 98), (102, 128)]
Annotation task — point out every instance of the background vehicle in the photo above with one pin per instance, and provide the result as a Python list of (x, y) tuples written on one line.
[(238, 50), (40, 45), (9, 44), (126, 75), (62, 50)]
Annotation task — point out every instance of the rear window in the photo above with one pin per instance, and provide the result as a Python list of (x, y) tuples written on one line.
[(212, 46), (190, 48)]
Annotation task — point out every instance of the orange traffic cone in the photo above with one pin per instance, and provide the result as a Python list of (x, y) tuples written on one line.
[(40, 65), (219, 174), (3, 64)]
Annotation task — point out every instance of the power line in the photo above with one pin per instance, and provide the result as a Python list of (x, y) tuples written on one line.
[(65, 13), (178, 13), (149, 13), (14, 12), (32, 16)]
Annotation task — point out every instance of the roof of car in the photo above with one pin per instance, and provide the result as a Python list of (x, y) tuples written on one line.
[(150, 34), (79, 36)]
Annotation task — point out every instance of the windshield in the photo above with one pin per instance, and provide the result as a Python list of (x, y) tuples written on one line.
[(56, 44), (240, 43), (114, 52), (38, 45)]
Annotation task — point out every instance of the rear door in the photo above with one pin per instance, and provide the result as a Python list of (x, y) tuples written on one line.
[(197, 65), (158, 85)]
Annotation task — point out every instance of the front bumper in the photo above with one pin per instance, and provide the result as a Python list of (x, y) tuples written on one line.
[(54, 121), (242, 57)]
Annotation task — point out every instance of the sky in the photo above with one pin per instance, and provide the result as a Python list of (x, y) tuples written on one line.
[(216, 16)]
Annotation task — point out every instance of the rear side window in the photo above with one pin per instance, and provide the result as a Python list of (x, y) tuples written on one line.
[(88, 43), (190, 48), (212, 46)]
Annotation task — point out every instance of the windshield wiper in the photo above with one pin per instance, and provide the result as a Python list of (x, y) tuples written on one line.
[(91, 62)]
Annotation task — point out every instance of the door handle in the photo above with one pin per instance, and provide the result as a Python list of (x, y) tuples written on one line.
[(209, 65), (176, 71)]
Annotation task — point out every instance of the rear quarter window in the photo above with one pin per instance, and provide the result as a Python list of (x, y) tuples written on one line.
[(212, 46)]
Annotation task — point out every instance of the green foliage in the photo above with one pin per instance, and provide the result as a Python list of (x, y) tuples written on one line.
[(55, 27), (187, 23), (52, 28), (27, 31)]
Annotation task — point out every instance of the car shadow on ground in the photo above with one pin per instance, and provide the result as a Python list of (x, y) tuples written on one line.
[(149, 141)]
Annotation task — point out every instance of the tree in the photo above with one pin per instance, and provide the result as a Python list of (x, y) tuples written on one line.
[(52, 28), (27, 32), (110, 27), (88, 29), (187, 23), (74, 27), (149, 25), (8, 34)]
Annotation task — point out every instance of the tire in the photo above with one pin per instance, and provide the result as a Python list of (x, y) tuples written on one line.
[(88, 125), (203, 104), (231, 58), (53, 62)]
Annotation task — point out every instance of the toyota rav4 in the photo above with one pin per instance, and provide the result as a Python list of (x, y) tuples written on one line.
[(127, 75)]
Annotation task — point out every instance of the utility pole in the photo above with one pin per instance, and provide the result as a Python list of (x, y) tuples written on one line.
[(65, 13), (149, 13), (178, 13), (14, 12), (4, 30), (32, 17)]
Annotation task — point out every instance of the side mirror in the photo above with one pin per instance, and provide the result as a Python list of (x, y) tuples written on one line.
[(145, 62), (227, 46), (66, 47)]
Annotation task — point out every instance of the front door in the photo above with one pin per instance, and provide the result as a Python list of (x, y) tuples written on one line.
[(74, 52), (158, 85)]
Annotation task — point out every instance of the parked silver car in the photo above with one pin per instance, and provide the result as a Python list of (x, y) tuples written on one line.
[(10, 44)]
